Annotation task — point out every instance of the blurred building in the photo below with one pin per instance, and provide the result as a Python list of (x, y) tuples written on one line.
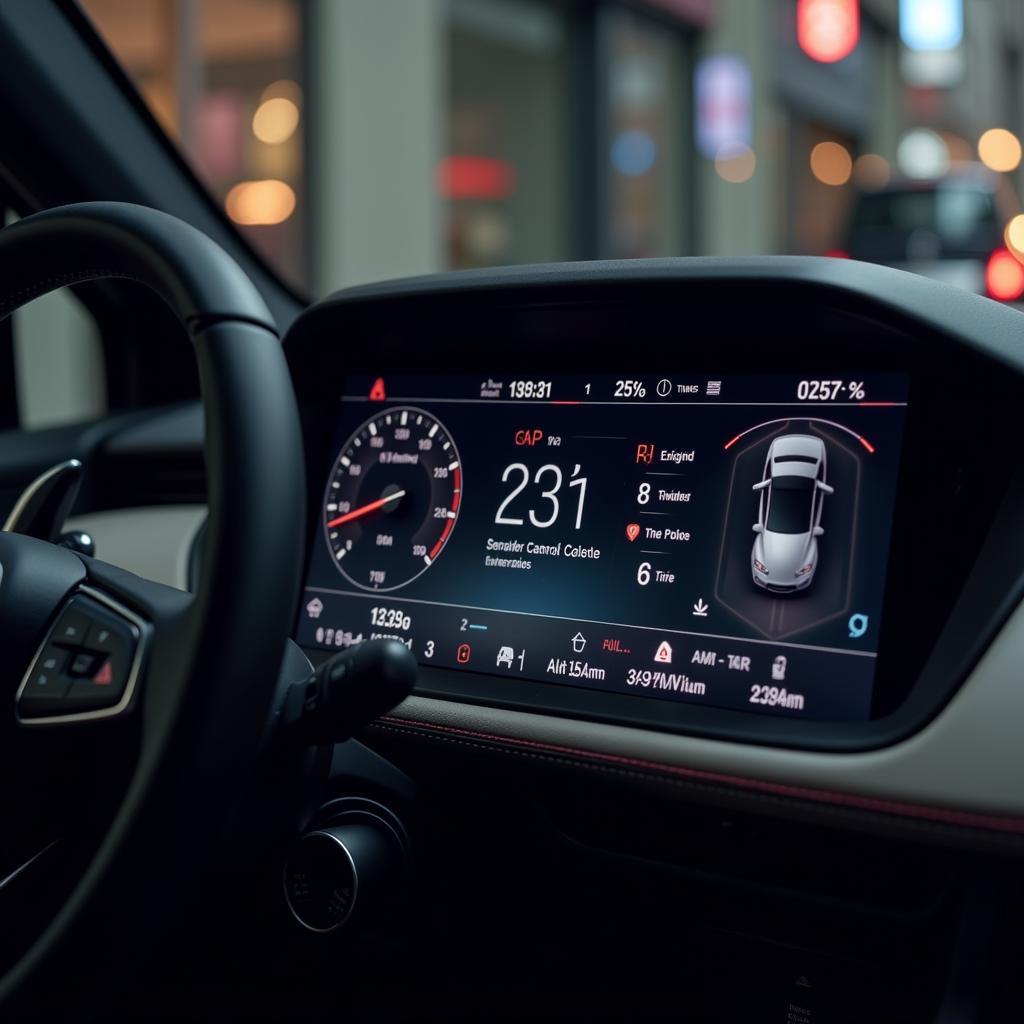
[(360, 139)]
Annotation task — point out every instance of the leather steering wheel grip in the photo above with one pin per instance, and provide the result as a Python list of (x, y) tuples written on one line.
[(87, 241), (212, 675)]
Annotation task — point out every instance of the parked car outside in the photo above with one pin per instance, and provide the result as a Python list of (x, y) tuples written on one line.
[(949, 229)]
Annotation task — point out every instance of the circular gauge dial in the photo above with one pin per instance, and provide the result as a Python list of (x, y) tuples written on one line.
[(392, 498)]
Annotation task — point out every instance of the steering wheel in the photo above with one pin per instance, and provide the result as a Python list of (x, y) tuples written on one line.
[(94, 659)]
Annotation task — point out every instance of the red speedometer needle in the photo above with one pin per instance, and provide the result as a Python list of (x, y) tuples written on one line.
[(364, 509)]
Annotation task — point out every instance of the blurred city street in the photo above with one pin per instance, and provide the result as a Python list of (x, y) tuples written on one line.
[(354, 140)]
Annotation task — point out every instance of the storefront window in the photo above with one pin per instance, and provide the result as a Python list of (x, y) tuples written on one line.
[(504, 177), (357, 140), (222, 77), (645, 144), (822, 185)]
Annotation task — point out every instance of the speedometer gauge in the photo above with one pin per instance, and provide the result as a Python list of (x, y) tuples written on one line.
[(392, 498)]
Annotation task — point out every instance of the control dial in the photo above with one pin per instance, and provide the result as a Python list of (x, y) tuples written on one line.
[(392, 499), (341, 869)]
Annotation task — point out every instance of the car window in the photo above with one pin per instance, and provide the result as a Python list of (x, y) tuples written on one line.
[(59, 366), (961, 211), (789, 506), (906, 210), (955, 212), (56, 362), (354, 140)]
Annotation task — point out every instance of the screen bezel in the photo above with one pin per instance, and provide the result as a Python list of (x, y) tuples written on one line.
[(432, 333)]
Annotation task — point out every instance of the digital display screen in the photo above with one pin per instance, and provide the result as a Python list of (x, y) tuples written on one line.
[(719, 540)]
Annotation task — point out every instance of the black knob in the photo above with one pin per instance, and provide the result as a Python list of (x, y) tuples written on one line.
[(340, 871), (80, 541), (348, 691)]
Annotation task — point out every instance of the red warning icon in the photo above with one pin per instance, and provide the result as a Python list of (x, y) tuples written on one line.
[(377, 393)]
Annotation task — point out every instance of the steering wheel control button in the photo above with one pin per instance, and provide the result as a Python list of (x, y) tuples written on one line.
[(46, 686), (102, 690), (115, 639), (73, 625), (85, 665), (52, 660), (105, 666), (102, 635)]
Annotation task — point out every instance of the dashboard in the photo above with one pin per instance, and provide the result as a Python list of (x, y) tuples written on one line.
[(714, 540), (616, 494)]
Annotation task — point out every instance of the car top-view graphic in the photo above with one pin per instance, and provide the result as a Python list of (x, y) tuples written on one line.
[(792, 493)]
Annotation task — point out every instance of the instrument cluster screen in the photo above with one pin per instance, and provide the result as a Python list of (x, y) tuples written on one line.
[(676, 537)]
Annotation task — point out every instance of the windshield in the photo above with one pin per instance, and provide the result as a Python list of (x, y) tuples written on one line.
[(355, 140), (789, 505)]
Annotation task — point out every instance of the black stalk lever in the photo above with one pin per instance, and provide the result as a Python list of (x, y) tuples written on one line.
[(348, 692)]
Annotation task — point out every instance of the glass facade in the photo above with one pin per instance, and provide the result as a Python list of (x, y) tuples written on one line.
[(223, 79), (562, 133), (645, 136), (352, 140), (505, 176)]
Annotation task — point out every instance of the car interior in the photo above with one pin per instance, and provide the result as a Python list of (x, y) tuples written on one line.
[(612, 639)]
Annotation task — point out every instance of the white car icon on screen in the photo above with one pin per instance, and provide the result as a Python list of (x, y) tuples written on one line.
[(792, 493)]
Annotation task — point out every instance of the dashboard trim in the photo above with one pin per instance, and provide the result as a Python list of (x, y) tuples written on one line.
[(906, 296), (947, 816)]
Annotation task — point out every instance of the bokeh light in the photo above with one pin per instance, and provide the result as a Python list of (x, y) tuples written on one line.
[(1004, 276), (922, 154), (999, 150), (736, 163), (268, 201), (1014, 235), (634, 153), (871, 171), (831, 163), (931, 26), (275, 120), (827, 30), (475, 177)]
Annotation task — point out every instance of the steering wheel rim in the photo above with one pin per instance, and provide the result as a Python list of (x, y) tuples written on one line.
[(213, 662)]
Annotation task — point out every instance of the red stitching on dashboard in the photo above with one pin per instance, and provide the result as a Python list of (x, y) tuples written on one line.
[(942, 814)]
